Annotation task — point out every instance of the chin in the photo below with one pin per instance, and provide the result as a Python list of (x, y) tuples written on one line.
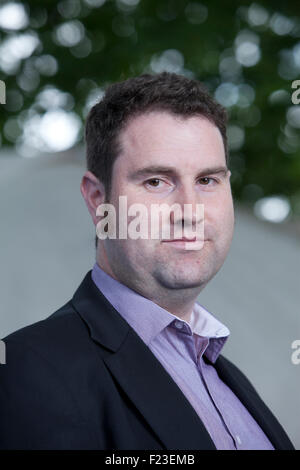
[(178, 284), (187, 281)]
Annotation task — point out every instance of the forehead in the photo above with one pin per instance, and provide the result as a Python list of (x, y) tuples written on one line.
[(161, 137)]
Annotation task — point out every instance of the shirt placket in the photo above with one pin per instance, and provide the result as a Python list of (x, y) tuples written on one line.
[(201, 345)]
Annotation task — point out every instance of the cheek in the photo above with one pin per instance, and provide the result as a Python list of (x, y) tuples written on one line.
[(226, 222), (220, 213)]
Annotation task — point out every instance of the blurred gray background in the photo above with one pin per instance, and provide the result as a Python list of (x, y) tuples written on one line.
[(47, 246)]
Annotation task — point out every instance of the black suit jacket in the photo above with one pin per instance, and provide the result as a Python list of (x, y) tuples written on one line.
[(83, 379)]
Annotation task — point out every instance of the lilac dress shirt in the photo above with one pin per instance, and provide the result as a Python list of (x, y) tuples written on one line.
[(180, 346)]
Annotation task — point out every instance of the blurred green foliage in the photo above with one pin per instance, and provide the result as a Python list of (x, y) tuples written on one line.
[(247, 54)]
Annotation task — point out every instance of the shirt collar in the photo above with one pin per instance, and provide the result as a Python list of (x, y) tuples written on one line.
[(149, 319), (144, 316)]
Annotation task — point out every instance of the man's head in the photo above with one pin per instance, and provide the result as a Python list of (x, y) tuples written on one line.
[(142, 125), (139, 95)]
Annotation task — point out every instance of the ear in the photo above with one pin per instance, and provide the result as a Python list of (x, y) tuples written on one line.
[(93, 193)]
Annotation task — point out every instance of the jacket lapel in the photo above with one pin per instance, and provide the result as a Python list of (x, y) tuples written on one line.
[(144, 380), (157, 396), (240, 385)]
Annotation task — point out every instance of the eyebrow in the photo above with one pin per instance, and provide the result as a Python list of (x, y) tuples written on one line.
[(171, 171)]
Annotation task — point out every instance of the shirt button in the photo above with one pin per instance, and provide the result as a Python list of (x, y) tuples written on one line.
[(178, 324)]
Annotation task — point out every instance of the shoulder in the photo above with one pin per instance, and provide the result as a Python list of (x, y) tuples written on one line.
[(44, 347), (47, 338), (32, 350), (58, 348)]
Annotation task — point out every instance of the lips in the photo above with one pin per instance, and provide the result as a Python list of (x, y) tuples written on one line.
[(183, 240), (186, 244)]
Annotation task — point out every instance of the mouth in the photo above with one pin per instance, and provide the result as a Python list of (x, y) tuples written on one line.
[(184, 239), (186, 243)]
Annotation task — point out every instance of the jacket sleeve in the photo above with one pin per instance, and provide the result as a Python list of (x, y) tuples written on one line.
[(37, 411)]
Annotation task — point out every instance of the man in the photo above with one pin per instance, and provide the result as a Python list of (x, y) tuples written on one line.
[(132, 361)]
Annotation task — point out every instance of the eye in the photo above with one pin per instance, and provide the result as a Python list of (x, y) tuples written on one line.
[(205, 180), (154, 182)]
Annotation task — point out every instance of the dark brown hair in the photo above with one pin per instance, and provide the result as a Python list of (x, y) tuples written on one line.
[(174, 93)]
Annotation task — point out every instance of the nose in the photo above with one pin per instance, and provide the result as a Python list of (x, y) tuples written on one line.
[(191, 215)]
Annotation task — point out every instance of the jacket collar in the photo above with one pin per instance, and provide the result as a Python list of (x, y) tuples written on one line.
[(100, 316)]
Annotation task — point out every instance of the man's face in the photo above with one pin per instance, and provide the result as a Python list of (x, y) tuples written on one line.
[(187, 147)]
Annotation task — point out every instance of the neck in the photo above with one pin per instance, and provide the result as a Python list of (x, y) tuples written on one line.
[(179, 302)]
